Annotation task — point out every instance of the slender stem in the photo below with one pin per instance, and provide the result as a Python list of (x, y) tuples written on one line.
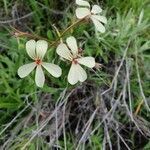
[(18, 33), (138, 108), (58, 33), (66, 30), (71, 26)]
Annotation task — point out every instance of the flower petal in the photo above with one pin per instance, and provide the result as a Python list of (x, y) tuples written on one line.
[(76, 73), (30, 48), (72, 44), (72, 76), (25, 70), (82, 76), (63, 51), (99, 27), (53, 69), (100, 18), (39, 76), (96, 9), (87, 61), (82, 12), (41, 48), (82, 3)]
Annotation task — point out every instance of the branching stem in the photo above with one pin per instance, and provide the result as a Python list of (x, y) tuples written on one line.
[(19, 33)]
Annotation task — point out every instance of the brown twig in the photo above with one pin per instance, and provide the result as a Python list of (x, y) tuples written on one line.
[(138, 108), (19, 33)]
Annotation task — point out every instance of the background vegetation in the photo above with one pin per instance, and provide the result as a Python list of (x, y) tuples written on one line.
[(108, 111)]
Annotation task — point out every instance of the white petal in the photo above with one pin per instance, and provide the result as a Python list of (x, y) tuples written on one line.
[(72, 44), (96, 9), (82, 3), (72, 76), (41, 48), (87, 61), (82, 76), (76, 73), (82, 12), (63, 51), (39, 76), (53, 69), (100, 18), (30, 48), (25, 70), (99, 27)]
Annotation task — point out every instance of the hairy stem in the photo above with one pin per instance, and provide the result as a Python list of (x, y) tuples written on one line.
[(19, 33), (67, 30)]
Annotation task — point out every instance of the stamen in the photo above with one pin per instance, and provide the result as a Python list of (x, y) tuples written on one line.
[(38, 61), (75, 61)]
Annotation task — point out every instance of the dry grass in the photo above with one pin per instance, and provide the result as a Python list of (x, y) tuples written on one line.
[(109, 111)]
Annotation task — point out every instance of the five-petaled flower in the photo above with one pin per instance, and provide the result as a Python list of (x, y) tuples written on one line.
[(71, 53), (37, 50), (94, 14)]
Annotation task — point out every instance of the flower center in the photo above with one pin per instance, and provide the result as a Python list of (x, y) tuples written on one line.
[(38, 61), (74, 60)]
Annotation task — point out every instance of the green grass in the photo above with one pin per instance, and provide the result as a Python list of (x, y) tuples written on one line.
[(84, 116)]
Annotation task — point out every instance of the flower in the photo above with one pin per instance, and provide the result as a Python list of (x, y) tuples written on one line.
[(94, 14), (37, 50), (71, 53)]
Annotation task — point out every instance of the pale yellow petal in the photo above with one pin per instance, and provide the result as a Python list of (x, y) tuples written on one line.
[(82, 76), (72, 44), (25, 70), (30, 48), (100, 18), (82, 12), (82, 3), (39, 76), (99, 27), (63, 51), (72, 76), (96, 9), (76, 73), (87, 61), (41, 48), (53, 69)]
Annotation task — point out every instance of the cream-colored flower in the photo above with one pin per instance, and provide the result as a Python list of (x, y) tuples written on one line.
[(70, 52), (94, 14), (37, 50)]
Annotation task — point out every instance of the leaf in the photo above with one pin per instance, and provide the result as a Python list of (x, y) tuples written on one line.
[(50, 35), (8, 105)]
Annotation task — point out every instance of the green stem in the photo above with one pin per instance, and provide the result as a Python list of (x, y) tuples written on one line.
[(66, 30), (71, 26)]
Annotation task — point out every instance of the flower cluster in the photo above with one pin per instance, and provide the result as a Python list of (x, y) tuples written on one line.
[(93, 13), (68, 51)]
